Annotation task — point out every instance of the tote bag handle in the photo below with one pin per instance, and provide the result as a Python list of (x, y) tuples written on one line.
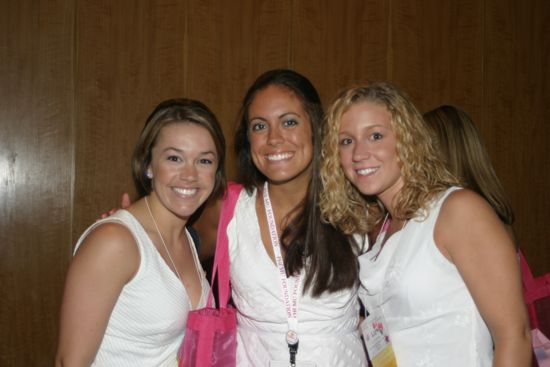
[(221, 257)]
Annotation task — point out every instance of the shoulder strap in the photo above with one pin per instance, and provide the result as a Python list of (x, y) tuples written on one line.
[(221, 257)]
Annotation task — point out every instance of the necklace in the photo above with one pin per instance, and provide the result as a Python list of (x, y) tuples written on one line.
[(162, 239), (382, 233), (384, 228)]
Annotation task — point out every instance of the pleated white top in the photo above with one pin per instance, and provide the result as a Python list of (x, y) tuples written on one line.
[(147, 324)]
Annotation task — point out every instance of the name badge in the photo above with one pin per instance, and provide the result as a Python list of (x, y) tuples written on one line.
[(378, 341)]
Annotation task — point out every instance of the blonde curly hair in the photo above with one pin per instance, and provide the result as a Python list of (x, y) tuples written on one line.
[(424, 174)]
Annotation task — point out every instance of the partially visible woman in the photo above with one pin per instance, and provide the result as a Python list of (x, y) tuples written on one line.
[(136, 274), (442, 273), (461, 147)]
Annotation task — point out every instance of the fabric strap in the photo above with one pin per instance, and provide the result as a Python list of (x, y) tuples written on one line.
[(221, 257)]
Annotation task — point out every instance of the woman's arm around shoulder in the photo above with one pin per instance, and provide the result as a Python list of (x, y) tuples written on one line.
[(106, 260), (470, 235)]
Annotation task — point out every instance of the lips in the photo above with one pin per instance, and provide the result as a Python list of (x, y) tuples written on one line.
[(279, 156), (188, 192)]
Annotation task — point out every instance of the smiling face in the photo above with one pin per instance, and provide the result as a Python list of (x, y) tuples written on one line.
[(368, 151), (279, 131), (183, 165)]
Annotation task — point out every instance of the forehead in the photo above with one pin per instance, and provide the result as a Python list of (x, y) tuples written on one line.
[(184, 134), (276, 98), (365, 114)]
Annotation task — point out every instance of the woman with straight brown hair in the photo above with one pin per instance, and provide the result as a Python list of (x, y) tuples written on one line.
[(135, 275)]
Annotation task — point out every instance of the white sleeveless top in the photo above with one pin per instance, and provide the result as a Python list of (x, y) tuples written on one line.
[(147, 324), (327, 326), (430, 315)]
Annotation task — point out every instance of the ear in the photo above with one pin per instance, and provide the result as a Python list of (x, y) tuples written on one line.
[(149, 173)]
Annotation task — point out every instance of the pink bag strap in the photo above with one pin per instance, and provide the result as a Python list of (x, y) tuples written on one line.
[(221, 257)]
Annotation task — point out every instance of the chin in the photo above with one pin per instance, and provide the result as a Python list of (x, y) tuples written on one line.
[(368, 191), (187, 211)]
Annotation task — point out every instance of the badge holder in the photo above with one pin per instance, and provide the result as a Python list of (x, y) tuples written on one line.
[(377, 341), (292, 342)]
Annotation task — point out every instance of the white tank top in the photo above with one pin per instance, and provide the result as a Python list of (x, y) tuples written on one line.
[(327, 325), (430, 315), (148, 321)]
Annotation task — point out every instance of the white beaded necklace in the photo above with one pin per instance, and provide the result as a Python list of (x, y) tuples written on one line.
[(162, 239)]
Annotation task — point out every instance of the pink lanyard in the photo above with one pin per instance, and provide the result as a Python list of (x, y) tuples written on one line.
[(291, 304)]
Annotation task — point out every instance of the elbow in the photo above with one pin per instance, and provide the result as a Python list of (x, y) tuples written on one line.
[(524, 338), (514, 345), (63, 360), (59, 362)]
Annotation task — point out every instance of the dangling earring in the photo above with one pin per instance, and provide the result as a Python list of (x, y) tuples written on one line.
[(149, 175)]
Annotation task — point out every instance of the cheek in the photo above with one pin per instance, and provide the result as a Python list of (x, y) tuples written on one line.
[(304, 137), (161, 171), (346, 165), (394, 158), (208, 174), (308, 148), (255, 142), (255, 159), (345, 158)]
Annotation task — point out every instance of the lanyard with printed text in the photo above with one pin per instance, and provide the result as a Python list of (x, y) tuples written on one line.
[(290, 300)]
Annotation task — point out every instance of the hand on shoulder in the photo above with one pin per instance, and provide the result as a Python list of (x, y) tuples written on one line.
[(125, 202)]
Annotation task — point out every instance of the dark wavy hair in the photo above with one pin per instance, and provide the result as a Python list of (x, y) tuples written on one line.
[(180, 110), (331, 255)]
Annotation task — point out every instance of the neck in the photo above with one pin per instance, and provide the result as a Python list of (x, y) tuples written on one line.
[(285, 197), (388, 197), (392, 223), (170, 225)]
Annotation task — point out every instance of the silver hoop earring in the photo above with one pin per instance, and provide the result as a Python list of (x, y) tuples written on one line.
[(149, 175)]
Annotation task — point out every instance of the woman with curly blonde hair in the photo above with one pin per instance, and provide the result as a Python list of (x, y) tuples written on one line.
[(441, 276), (425, 176)]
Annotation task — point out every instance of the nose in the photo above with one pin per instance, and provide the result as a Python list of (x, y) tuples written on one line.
[(274, 136), (361, 151), (188, 172)]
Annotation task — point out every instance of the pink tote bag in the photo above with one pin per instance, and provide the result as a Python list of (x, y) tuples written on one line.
[(211, 333)]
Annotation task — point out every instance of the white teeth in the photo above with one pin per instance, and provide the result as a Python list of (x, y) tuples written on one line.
[(279, 157), (366, 171), (185, 192)]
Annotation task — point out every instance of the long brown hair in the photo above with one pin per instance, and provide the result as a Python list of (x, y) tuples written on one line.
[(461, 146)]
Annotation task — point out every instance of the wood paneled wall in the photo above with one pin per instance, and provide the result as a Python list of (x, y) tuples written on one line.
[(36, 174), (79, 77)]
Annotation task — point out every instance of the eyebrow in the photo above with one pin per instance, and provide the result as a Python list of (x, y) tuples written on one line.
[(206, 152), (279, 117), (368, 128)]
